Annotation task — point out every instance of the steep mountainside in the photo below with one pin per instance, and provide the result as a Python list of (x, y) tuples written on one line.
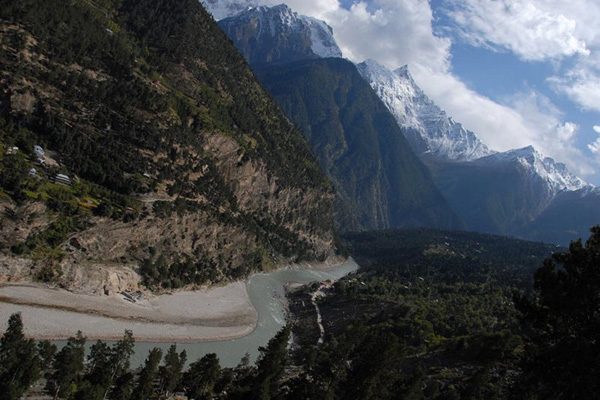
[(271, 35), (492, 192), (429, 130), (568, 217), (503, 193), (380, 182), (134, 133)]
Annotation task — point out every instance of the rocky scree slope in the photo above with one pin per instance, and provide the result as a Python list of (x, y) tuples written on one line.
[(180, 170)]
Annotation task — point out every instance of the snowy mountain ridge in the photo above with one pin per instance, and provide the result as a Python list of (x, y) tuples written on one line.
[(221, 9), (442, 136), (555, 174)]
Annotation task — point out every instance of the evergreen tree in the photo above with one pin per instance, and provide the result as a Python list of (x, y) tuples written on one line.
[(202, 376), (146, 379), (46, 351), (19, 361), (171, 372), (123, 388), (270, 365), (67, 368), (562, 325), (105, 365)]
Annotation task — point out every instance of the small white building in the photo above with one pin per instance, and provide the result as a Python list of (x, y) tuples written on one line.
[(62, 178), (12, 150), (39, 151)]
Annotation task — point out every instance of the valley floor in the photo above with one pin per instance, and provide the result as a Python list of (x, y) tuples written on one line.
[(219, 313)]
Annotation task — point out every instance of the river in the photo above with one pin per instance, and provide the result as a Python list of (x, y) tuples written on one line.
[(267, 293)]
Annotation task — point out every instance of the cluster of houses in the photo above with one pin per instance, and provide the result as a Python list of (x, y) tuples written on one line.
[(40, 159)]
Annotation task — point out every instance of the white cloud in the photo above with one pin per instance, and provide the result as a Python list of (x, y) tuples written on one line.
[(581, 83), (392, 32), (549, 133), (540, 30), (594, 147), (532, 29)]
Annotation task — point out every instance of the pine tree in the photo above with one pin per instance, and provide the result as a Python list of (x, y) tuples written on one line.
[(562, 325), (171, 372), (67, 368), (19, 361), (270, 365), (147, 377), (202, 376)]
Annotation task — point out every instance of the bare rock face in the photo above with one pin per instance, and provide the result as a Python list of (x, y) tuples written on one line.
[(100, 279), (15, 269), (19, 222)]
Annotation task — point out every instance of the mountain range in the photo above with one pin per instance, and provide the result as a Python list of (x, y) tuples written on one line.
[(508, 193)]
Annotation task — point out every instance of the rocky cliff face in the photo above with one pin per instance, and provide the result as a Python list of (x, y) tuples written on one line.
[(170, 148)]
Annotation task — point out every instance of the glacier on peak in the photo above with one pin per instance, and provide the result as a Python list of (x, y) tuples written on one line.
[(436, 132)]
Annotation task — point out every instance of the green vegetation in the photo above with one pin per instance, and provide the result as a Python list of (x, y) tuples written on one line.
[(562, 325), (430, 315), (132, 99), (388, 336), (104, 372)]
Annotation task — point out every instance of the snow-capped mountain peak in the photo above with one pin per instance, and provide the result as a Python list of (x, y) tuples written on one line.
[(555, 174), (278, 34), (404, 73), (430, 129)]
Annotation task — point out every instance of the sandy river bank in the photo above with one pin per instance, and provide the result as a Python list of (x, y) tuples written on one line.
[(219, 313)]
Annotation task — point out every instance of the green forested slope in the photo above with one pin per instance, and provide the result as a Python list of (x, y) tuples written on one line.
[(160, 124)]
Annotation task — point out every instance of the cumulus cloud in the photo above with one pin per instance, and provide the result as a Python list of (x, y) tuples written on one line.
[(581, 83), (537, 30), (392, 32), (530, 29)]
